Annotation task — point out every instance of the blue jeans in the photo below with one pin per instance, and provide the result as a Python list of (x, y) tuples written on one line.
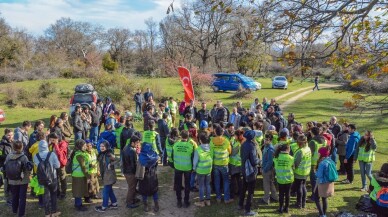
[(94, 134), (77, 135), (334, 155), (107, 193), (204, 185), (192, 179), (313, 178), (78, 201), (138, 108), (222, 171), (155, 196), (365, 170)]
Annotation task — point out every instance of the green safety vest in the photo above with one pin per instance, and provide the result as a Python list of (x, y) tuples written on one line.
[(259, 140), (169, 150), (376, 188), (315, 155), (235, 160), (364, 156), (149, 136), (205, 162), (77, 171), (275, 139), (183, 152), (305, 164), (294, 147), (93, 162), (193, 143), (118, 134), (172, 106), (220, 153), (283, 168)]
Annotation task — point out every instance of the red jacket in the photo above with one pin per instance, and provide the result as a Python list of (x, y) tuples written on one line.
[(61, 150), (328, 137)]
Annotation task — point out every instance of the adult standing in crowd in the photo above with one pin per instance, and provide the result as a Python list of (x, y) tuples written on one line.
[(302, 164), (78, 126), (95, 121), (203, 114), (60, 148), (5, 150), (108, 109), (38, 127), (253, 105), (334, 127), (173, 106), (341, 141), (221, 113), (138, 98), (66, 131), (354, 139), (235, 118), (268, 171), (129, 158), (191, 109), (80, 174), (148, 95), (21, 134), (365, 154), (148, 116)]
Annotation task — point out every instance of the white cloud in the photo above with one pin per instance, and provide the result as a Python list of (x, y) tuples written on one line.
[(37, 15)]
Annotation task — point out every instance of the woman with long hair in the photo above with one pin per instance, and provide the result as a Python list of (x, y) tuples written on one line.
[(53, 120), (365, 154)]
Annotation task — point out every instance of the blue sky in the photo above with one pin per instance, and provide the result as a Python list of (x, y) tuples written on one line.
[(36, 15)]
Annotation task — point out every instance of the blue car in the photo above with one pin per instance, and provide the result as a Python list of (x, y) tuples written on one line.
[(234, 82)]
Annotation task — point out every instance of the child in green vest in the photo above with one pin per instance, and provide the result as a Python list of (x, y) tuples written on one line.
[(284, 175), (235, 163), (202, 165), (152, 137), (93, 185)]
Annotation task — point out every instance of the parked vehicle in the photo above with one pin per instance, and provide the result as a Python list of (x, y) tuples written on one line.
[(84, 94), (280, 82), (234, 82)]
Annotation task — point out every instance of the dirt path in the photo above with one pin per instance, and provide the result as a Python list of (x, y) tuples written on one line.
[(292, 92), (304, 93)]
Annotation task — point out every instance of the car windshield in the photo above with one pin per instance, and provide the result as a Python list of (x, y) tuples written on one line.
[(82, 98), (280, 79)]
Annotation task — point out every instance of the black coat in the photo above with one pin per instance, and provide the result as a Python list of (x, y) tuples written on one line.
[(221, 115), (129, 158), (5, 148), (203, 115), (125, 135)]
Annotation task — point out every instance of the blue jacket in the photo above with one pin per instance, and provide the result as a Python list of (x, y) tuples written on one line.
[(267, 163), (354, 138), (248, 151), (109, 136), (323, 171)]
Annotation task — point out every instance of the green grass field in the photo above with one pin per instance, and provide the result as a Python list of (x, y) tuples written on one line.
[(319, 106)]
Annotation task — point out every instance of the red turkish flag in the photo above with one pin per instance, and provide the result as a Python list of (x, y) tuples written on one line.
[(185, 78)]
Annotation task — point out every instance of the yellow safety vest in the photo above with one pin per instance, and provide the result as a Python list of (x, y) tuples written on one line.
[(364, 156)]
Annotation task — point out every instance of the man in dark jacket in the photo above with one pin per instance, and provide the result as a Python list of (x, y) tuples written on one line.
[(291, 121), (148, 95), (5, 150), (335, 128), (108, 109), (93, 136), (203, 114), (163, 134), (191, 109), (78, 123), (139, 101), (21, 133), (129, 158), (278, 122), (221, 113), (148, 116), (248, 153), (126, 134)]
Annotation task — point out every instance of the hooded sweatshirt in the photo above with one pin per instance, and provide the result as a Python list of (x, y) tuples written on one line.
[(220, 141), (205, 148), (354, 138), (43, 152)]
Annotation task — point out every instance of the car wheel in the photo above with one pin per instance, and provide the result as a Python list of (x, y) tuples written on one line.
[(215, 89)]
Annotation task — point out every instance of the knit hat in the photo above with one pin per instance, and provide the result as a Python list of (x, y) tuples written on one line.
[(324, 152), (88, 141), (250, 135), (271, 127)]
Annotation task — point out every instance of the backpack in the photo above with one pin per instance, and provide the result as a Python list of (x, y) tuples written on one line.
[(44, 171), (14, 169), (382, 197), (148, 186), (333, 174)]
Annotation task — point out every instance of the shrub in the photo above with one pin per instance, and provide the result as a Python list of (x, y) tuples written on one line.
[(46, 89), (113, 92), (241, 94), (11, 95)]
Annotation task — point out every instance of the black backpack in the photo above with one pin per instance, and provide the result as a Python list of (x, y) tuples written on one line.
[(14, 168), (44, 171)]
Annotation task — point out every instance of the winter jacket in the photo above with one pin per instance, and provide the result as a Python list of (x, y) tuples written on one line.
[(129, 158), (203, 115), (61, 150), (235, 120), (147, 117), (248, 152), (58, 131), (205, 148), (5, 149), (24, 161), (78, 123), (95, 118), (163, 129), (323, 171), (336, 129), (267, 163), (108, 109), (109, 136), (147, 95), (265, 106), (126, 134), (106, 161), (192, 111), (341, 142), (354, 138), (221, 115), (32, 138), (19, 135), (279, 124), (43, 152), (66, 131), (138, 98)]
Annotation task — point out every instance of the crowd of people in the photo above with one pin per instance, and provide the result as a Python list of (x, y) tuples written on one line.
[(217, 151)]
